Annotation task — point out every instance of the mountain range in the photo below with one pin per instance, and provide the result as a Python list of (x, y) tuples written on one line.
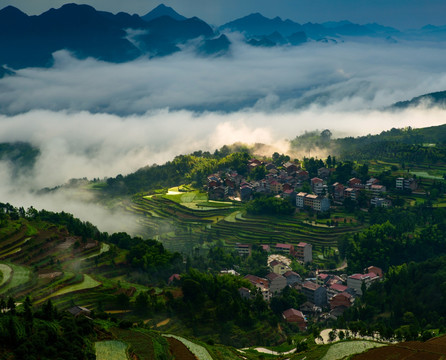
[(30, 41)]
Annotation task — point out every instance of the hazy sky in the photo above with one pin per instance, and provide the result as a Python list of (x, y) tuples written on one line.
[(399, 13)]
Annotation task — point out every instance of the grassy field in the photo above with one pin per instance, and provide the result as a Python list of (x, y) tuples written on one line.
[(111, 350)]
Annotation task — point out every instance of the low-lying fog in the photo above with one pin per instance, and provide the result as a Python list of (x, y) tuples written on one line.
[(93, 119)]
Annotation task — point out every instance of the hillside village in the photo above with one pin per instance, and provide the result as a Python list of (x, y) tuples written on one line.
[(291, 182), (327, 295)]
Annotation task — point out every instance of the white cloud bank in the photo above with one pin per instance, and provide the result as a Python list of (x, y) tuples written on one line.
[(93, 119)]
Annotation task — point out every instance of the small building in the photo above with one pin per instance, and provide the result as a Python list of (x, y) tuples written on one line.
[(270, 166), (295, 316), (350, 193), (374, 269), (338, 288), (79, 310), (300, 200), (342, 299), (321, 204), (322, 279), (292, 278), (229, 272), (377, 190), (279, 267), (243, 249), (317, 185), (275, 187), (355, 183), (261, 284), (355, 281), (245, 192), (290, 167), (302, 175), (406, 184), (304, 252), (315, 293), (323, 172), (285, 248), (370, 182), (276, 283), (338, 191), (245, 293), (381, 202)]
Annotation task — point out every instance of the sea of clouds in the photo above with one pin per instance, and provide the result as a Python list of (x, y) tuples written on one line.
[(95, 119)]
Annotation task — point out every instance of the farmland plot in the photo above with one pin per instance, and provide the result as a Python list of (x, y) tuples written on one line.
[(348, 348), (6, 272), (87, 283), (111, 350), (20, 276), (199, 351)]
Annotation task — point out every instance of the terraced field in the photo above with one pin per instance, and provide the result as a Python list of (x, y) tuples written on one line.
[(199, 351), (6, 273), (182, 228), (20, 275), (87, 283), (145, 345), (345, 349)]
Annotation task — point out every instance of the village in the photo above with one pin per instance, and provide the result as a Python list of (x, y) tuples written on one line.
[(327, 295), (289, 181)]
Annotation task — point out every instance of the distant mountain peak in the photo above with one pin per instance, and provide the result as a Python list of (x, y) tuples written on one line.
[(163, 10), (12, 11), (256, 24)]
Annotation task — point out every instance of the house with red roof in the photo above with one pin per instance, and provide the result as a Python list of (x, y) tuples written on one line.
[(355, 281), (243, 249), (290, 167), (317, 185), (261, 284), (374, 269), (341, 299), (285, 248), (355, 183), (295, 316)]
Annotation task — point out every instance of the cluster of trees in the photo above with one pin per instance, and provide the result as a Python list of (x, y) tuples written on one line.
[(220, 257), (269, 205), (210, 299), (192, 168), (312, 140), (407, 145), (44, 333), (412, 299), (397, 236)]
